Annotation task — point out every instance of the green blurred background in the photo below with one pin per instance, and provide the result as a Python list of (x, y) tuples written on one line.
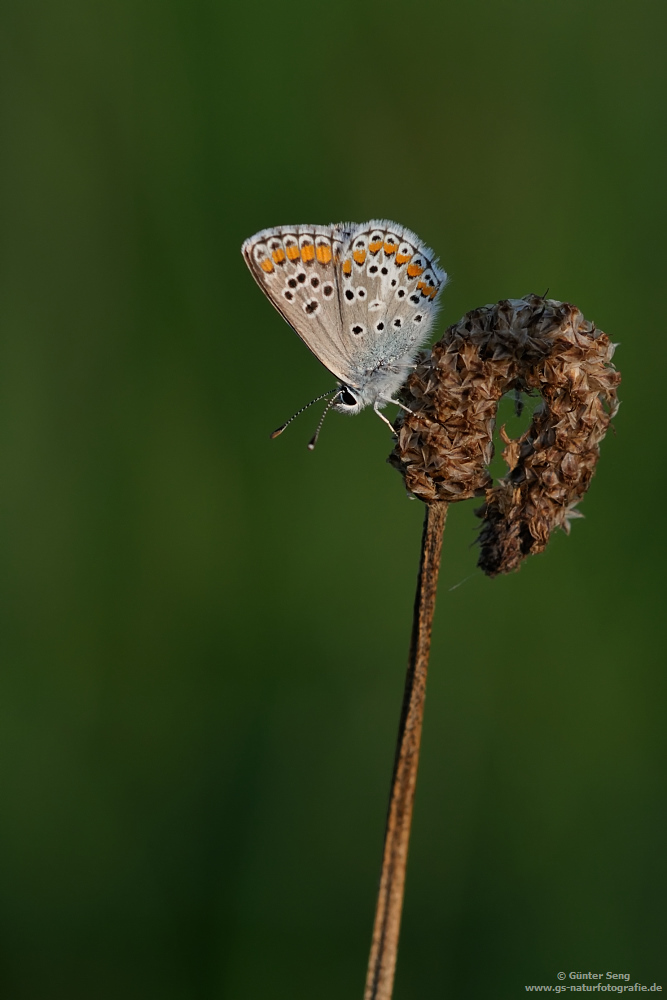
[(205, 632)]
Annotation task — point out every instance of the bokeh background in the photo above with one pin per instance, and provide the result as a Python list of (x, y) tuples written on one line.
[(204, 631)]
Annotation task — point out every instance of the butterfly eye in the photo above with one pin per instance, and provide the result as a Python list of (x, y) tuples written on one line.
[(346, 397)]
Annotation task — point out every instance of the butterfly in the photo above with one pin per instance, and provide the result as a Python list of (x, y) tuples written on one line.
[(362, 297)]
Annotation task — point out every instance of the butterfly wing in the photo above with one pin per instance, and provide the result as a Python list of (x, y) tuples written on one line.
[(390, 283), (362, 297), (296, 268)]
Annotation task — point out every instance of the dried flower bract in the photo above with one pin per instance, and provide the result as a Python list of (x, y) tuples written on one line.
[(444, 447)]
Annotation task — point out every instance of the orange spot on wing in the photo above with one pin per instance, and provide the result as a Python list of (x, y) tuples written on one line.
[(414, 270), (347, 267), (375, 246), (403, 258), (324, 254), (421, 286), (389, 248), (267, 265), (292, 253), (278, 255), (433, 291), (359, 256), (307, 252)]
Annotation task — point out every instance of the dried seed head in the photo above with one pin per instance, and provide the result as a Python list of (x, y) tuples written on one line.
[(445, 445)]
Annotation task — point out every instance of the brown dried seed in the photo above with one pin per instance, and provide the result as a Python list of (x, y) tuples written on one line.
[(444, 446)]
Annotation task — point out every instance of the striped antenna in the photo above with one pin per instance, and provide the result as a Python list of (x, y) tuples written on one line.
[(313, 440), (299, 412)]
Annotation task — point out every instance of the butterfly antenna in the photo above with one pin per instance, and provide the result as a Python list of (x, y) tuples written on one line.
[(313, 440), (299, 412)]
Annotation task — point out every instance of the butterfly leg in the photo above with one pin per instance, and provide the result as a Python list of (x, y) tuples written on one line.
[(382, 417), (388, 399)]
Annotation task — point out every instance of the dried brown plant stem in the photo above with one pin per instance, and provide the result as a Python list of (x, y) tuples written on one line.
[(384, 946)]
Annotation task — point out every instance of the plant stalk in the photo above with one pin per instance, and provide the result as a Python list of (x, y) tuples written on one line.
[(384, 946)]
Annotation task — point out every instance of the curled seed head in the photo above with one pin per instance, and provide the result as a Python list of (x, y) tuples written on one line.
[(445, 445)]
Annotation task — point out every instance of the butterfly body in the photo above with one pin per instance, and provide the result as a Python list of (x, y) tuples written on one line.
[(362, 297)]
